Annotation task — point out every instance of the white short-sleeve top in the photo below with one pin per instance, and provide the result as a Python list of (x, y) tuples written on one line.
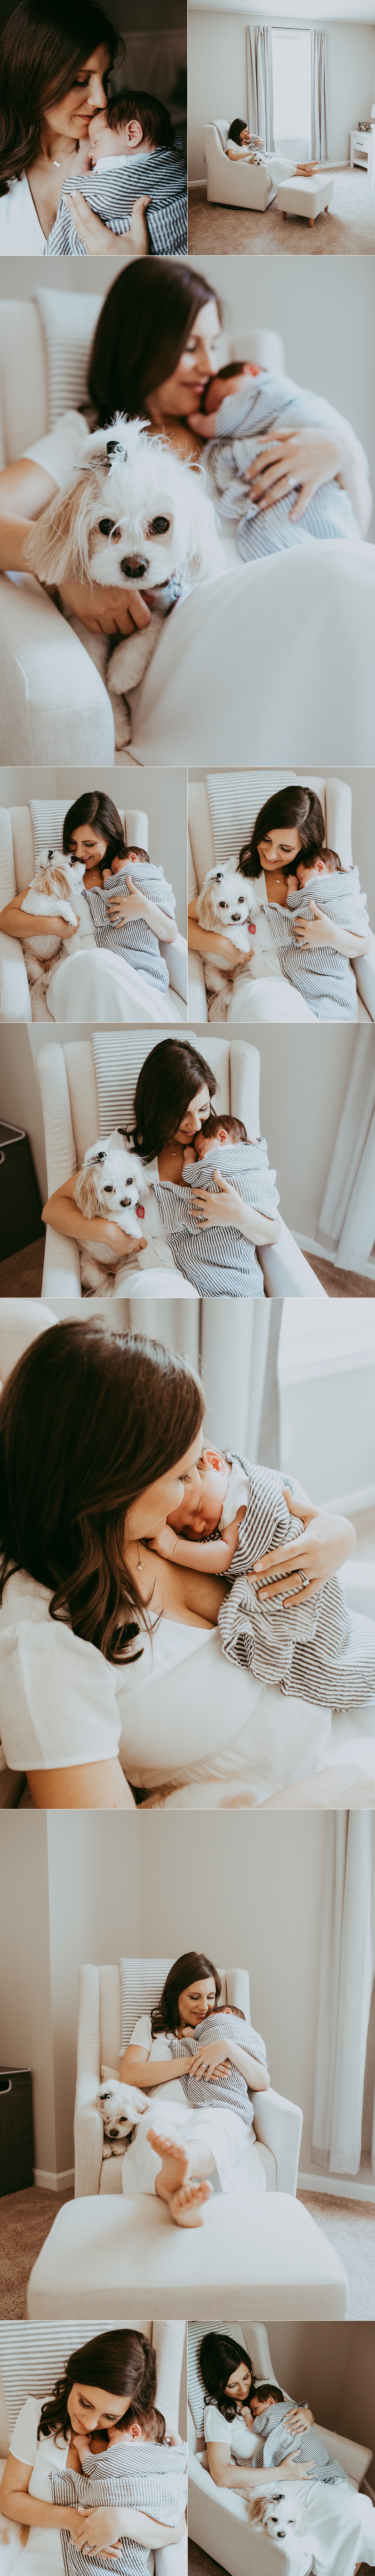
[(161, 2047), (62, 1705), (21, 233), (236, 2436), (44, 2455)]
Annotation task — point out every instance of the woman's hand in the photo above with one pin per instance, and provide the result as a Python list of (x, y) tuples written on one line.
[(126, 907), (206, 2059), (327, 1541), (99, 2530), (210, 2072), (105, 612), (97, 237), (319, 932), (207, 1209), (299, 2419), (305, 456)]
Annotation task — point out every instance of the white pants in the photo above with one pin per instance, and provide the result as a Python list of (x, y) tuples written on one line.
[(97, 985), (221, 2135), (341, 2526), (266, 997)]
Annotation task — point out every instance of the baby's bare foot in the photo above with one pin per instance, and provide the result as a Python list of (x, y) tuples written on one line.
[(175, 2164), (186, 2204)]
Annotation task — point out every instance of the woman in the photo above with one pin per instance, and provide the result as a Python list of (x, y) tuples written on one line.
[(290, 824), (155, 346), (114, 1422), (104, 985), (171, 1102), (174, 2155), (56, 58), (101, 2382), (229, 2430)]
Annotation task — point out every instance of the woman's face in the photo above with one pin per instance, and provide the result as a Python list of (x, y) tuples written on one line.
[(89, 845), (71, 115), (239, 2383), (198, 1110), (182, 392), (93, 2409), (279, 847), (150, 1512), (196, 2001)]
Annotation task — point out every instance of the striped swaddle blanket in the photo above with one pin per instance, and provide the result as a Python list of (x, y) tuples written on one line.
[(317, 1650), (278, 2442), (111, 194), (219, 1260), (264, 404), (134, 937), (156, 2485), (226, 2092), (324, 977)]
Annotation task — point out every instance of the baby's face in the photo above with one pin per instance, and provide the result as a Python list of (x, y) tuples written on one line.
[(214, 1480), (222, 385), (209, 1144), (306, 868), (105, 144)]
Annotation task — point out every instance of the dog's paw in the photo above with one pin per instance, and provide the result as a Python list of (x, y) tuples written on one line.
[(122, 722)]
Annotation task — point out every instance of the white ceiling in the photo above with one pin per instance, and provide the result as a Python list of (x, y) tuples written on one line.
[(341, 10)]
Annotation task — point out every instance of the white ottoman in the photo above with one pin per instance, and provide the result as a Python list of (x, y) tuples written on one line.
[(308, 197), (257, 2258)]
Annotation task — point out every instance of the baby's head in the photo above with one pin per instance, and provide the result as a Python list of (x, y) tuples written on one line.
[(265, 2396), (127, 858), (140, 2424), (221, 1131), (214, 1473), (228, 381), (326, 863), (131, 123)]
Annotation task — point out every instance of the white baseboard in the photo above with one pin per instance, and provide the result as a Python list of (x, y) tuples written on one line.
[(307, 1244), (339, 2187), (53, 2181)]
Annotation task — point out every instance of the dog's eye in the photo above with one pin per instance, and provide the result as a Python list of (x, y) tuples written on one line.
[(106, 527), (159, 528)]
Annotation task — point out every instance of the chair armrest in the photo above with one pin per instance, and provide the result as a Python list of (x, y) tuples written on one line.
[(88, 2136), (278, 2124), (175, 952), (54, 706), (61, 1274), (352, 2455), (15, 1002), (197, 997), (219, 2523), (285, 1271), (364, 970)]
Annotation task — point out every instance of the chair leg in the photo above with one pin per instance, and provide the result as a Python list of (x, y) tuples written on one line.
[(311, 220), (283, 216)]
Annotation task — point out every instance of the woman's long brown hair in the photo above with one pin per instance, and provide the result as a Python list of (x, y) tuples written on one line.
[(123, 2363), (88, 1419), (44, 46), (142, 331), (186, 1972)]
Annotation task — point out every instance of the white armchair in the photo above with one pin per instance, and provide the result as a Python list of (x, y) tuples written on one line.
[(251, 789), (17, 867), (278, 2133), (218, 2518), (71, 1120), (234, 183)]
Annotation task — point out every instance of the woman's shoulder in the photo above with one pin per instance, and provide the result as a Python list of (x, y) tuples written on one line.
[(61, 447), (215, 2427), (25, 2435)]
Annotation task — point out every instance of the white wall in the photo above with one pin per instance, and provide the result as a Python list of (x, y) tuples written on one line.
[(94, 1913), (328, 338), (26, 2003), (326, 1433), (335, 2366), (218, 77), (160, 792)]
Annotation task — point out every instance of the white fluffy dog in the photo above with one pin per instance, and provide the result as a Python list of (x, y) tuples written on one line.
[(51, 891), (282, 2517), (111, 1184), (122, 2106), (224, 904), (132, 515)]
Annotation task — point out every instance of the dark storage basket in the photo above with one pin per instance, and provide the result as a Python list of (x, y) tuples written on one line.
[(20, 1217), (16, 2129)]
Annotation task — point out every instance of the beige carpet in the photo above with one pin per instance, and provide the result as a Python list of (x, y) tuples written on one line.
[(339, 1283), (349, 227), (200, 2565), (350, 2226), (26, 2220)]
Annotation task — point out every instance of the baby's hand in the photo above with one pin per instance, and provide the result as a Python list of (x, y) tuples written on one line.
[(189, 1155), (138, 227), (165, 1542)]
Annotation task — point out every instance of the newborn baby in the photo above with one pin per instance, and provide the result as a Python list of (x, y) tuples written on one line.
[(323, 925), (279, 2440), (130, 129), (310, 1644), (244, 413), (110, 2472), (219, 1258)]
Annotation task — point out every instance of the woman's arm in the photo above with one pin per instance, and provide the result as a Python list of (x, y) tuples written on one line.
[(18, 924), (100, 2529), (25, 489), (134, 905), (225, 2472), (60, 1211), (136, 2067), (16, 2502), (97, 238), (327, 1542), (249, 1221), (212, 943), (255, 2073), (321, 932), (308, 457), (86, 1784)]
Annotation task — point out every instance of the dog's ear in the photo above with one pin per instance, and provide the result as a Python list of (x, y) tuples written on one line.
[(87, 1194), (207, 908), (58, 544)]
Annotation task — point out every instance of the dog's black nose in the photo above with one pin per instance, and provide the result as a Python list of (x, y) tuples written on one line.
[(133, 567), (125, 1202)]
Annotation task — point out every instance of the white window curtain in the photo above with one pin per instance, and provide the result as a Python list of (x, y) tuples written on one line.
[(240, 1376), (347, 1969), (320, 126), (347, 1216), (260, 82)]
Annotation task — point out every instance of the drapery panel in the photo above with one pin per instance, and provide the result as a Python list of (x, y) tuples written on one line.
[(320, 125), (347, 1969), (260, 82), (347, 1216)]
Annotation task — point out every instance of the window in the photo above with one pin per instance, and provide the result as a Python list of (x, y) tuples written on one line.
[(319, 1340), (291, 59)]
